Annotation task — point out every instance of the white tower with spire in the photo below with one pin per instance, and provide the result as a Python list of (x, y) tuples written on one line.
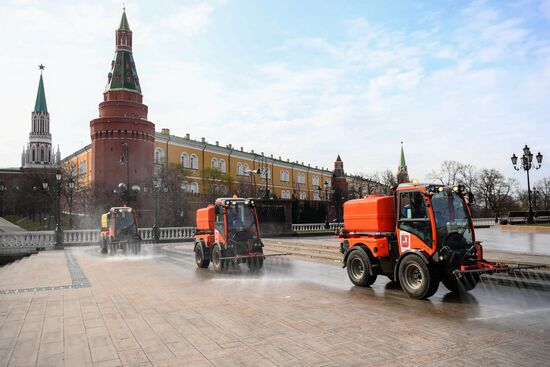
[(39, 152)]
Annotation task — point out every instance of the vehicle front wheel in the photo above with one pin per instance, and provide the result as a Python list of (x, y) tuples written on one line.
[(219, 264), (359, 268), (417, 279), (103, 245), (199, 256)]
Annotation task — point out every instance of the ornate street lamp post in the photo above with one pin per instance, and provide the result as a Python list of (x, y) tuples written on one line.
[(71, 190), (527, 164), (58, 231), (324, 191), (158, 188), (2, 189)]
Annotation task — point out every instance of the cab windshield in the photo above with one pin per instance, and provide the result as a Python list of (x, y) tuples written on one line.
[(451, 220), (241, 218), (125, 223)]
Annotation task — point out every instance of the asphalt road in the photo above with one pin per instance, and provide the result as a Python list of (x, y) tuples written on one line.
[(511, 308)]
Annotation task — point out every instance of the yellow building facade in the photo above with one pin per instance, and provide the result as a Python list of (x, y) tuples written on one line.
[(285, 180)]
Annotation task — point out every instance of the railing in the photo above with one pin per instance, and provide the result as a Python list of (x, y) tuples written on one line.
[(483, 222), (19, 241), (321, 227), (315, 227), (80, 236), (26, 240)]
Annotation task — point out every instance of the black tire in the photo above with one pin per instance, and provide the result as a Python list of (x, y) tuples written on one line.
[(359, 268), (103, 246), (219, 264), (391, 277), (417, 279), (255, 263), (199, 256), (111, 246), (464, 284)]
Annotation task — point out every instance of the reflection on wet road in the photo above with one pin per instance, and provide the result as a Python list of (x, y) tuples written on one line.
[(527, 243), (503, 306)]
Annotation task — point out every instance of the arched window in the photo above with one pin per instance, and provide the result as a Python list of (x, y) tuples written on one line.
[(214, 163), (194, 162), (316, 196), (33, 153), (184, 160), (42, 154), (194, 188), (73, 170), (159, 156), (246, 170), (315, 180), (301, 178), (49, 154), (303, 195), (239, 169), (222, 165), (285, 194), (285, 176), (82, 168)]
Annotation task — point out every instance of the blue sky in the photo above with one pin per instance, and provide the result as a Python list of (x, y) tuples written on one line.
[(305, 80)]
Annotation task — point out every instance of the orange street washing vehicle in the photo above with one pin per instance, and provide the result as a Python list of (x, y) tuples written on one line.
[(119, 230), (228, 233), (421, 235)]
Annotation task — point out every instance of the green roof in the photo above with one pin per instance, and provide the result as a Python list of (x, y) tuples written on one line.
[(402, 163), (40, 104), (124, 22), (123, 74)]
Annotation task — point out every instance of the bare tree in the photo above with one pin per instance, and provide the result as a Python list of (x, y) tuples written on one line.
[(217, 183), (387, 180), (494, 189), (543, 193), (448, 174)]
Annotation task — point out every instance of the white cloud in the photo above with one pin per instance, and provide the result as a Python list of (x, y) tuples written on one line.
[(191, 19)]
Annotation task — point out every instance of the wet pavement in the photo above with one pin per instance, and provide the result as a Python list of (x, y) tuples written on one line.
[(521, 242), (159, 309)]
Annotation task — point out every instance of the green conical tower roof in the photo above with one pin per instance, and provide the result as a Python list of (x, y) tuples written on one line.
[(40, 104), (402, 162), (124, 22), (123, 73)]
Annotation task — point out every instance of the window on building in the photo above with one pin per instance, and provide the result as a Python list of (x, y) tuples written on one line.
[(316, 196), (285, 194), (159, 156), (73, 170), (285, 176), (41, 154), (301, 178), (82, 168), (184, 160), (194, 187), (315, 180), (223, 168), (194, 161), (240, 169), (214, 163), (246, 170), (303, 195), (266, 173)]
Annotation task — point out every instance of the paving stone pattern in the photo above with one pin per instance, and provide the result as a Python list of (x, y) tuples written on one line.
[(148, 312)]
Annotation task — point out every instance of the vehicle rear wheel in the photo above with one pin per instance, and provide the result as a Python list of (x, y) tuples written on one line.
[(219, 264), (111, 246), (359, 268), (417, 279), (464, 284), (199, 256), (255, 263), (103, 245)]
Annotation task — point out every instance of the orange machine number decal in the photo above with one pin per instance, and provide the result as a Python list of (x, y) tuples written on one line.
[(404, 240)]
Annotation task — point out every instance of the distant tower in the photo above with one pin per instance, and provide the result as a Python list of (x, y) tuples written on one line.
[(402, 173), (122, 120), (339, 182), (38, 153)]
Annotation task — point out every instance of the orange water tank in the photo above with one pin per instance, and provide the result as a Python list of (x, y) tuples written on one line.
[(374, 213), (205, 218)]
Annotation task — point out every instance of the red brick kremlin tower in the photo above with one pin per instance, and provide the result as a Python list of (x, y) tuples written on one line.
[(122, 120)]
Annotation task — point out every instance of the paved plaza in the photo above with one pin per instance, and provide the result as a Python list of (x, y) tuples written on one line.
[(78, 308)]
